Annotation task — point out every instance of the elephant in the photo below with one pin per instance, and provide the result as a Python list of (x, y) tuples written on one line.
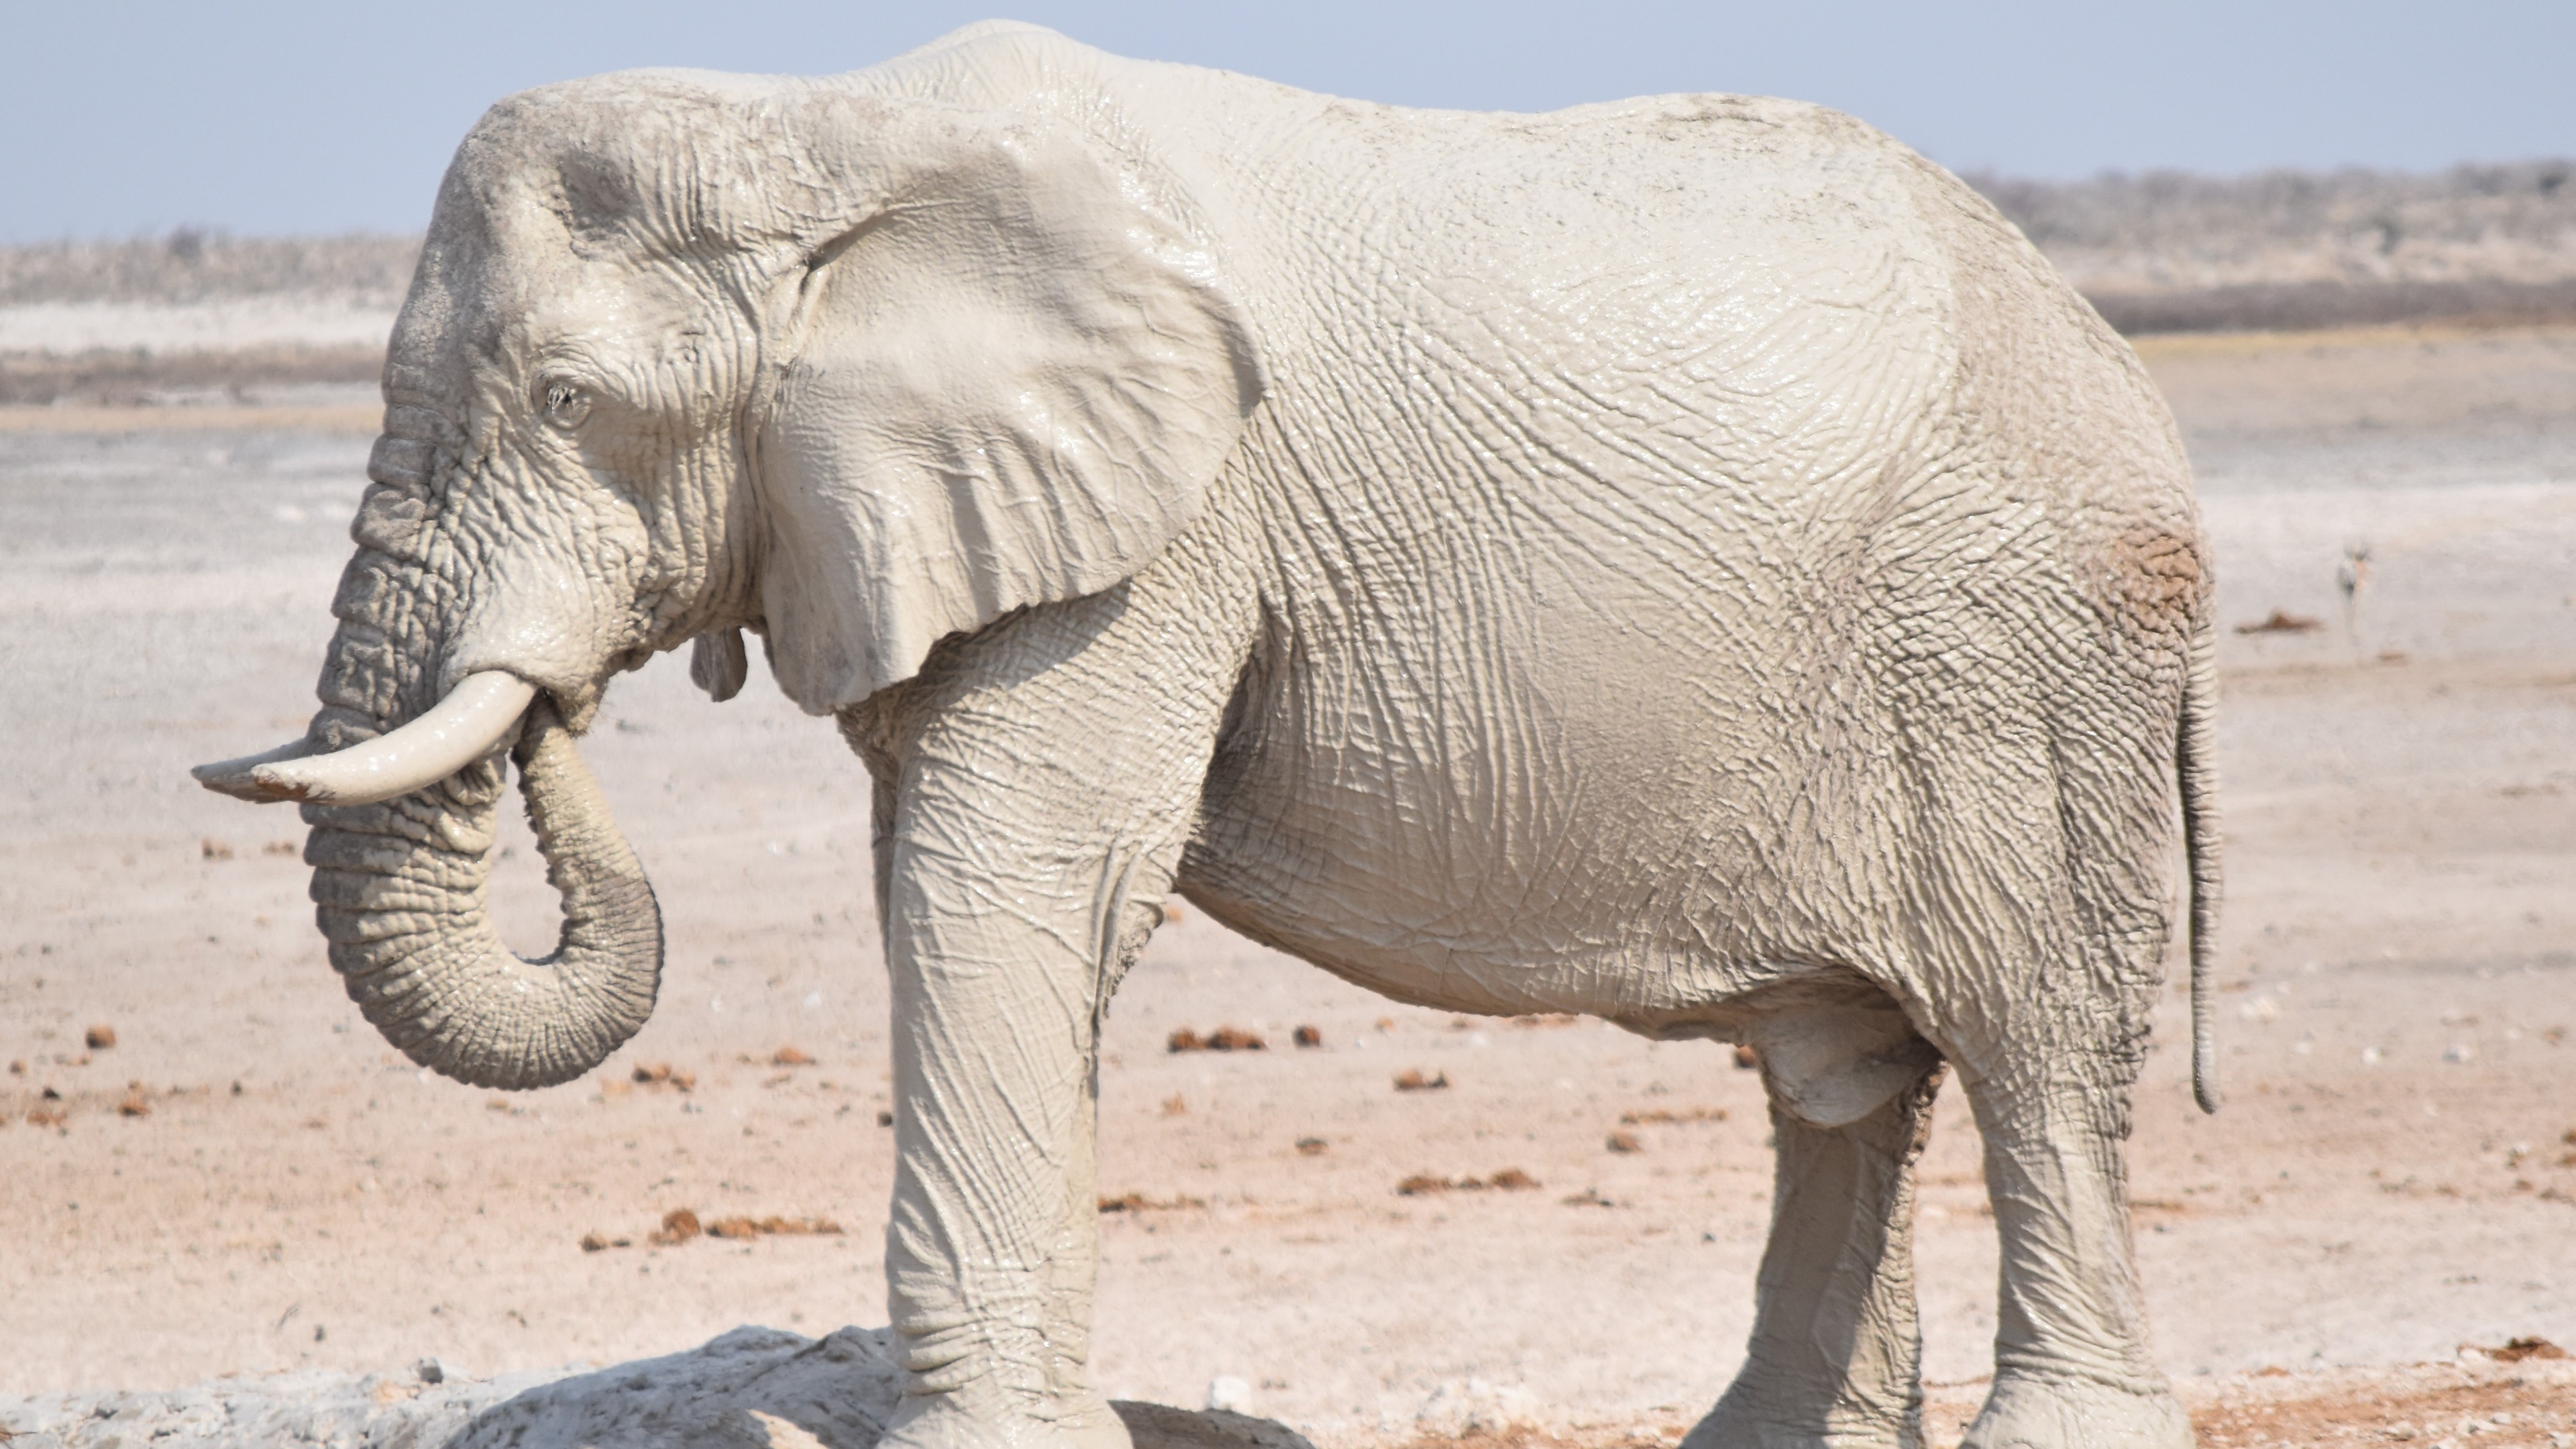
[(1688, 561)]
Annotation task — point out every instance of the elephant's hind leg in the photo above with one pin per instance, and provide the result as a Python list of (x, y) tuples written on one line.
[(2072, 1367), (1836, 1350)]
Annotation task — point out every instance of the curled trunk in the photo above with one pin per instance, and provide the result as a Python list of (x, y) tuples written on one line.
[(402, 886)]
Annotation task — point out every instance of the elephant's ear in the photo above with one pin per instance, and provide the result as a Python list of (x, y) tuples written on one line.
[(1007, 381)]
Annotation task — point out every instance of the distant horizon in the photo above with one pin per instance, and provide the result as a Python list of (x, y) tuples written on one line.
[(307, 118)]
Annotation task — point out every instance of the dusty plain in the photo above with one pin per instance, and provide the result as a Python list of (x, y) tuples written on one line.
[(249, 1180)]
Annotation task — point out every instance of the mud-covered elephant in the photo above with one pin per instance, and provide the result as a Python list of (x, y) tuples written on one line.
[(1686, 560)]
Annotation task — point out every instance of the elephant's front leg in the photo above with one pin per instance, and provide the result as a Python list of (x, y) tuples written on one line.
[(1035, 801), (999, 976), (991, 1245)]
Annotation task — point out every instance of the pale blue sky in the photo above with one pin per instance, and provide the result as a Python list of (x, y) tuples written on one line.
[(119, 118)]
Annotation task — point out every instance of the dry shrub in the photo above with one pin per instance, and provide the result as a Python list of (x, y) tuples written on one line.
[(1176, 1105), (595, 1243), (1137, 1202), (665, 1075), (2281, 622), (1308, 1036), (1648, 1115), (789, 1056), (740, 1228), (99, 1038), (1185, 1040), (1423, 1184), (136, 1104), (2515, 1350), (678, 1226), (1313, 1146), (1624, 1142), (279, 847), (1223, 1039), (1412, 1080), (43, 1116), (1545, 1019), (214, 850)]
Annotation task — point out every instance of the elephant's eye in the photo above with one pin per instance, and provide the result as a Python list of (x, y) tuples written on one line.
[(565, 404)]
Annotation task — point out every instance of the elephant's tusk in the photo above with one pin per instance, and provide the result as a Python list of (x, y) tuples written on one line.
[(233, 777), (454, 734)]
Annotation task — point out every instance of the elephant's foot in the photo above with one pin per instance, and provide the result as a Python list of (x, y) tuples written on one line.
[(1788, 1411), (2027, 1411), (1723, 1429), (974, 1417)]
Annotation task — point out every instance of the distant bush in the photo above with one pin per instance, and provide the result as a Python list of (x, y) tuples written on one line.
[(2166, 251), (189, 265), (2387, 210)]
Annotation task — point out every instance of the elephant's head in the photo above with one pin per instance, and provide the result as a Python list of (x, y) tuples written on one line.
[(687, 354)]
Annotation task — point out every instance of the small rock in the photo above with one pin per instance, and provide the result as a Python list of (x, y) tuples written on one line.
[(1227, 1395), (430, 1371)]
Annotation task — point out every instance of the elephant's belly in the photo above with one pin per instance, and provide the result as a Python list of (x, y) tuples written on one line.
[(1487, 911)]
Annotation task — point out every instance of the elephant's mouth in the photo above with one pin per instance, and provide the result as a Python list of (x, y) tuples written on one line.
[(401, 850)]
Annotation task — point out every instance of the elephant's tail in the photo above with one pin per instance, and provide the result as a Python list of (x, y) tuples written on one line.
[(2196, 766)]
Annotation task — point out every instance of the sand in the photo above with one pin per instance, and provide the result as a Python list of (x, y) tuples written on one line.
[(249, 1180)]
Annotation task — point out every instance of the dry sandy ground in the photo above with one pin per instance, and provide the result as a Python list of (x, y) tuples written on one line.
[(249, 1180)]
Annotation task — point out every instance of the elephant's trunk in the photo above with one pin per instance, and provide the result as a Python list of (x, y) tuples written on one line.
[(402, 885)]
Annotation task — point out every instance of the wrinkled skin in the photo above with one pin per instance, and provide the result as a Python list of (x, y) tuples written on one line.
[(1687, 561)]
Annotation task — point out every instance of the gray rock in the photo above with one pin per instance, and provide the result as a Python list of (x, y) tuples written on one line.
[(753, 1388)]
